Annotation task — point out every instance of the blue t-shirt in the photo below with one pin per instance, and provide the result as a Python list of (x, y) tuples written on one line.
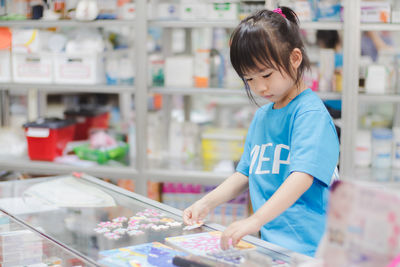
[(299, 137)]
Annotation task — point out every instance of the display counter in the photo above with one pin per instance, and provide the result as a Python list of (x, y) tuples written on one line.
[(80, 220)]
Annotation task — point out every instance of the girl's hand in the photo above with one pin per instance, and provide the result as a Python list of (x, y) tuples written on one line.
[(237, 230), (196, 212)]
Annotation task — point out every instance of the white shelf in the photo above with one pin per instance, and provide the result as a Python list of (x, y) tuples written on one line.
[(386, 177), (379, 27), (45, 167), (376, 98), (64, 23), (196, 91), (224, 91), (321, 25), (66, 88), (234, 23), (193, 23), (200, 177)]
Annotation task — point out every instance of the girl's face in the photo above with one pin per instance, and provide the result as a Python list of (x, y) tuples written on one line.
[(273, 85)]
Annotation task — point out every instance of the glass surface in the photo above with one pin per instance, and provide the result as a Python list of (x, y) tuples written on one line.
[(35, 249), (67, 209)]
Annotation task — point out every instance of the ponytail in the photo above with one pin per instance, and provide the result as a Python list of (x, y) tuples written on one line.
[(290, 14)]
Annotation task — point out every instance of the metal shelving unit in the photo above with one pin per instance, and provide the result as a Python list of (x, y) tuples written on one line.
[(65, 23), (392, 98), (44, 167), (69, 88), (224, 91), (379, 27), (233, 24), (141, 173)]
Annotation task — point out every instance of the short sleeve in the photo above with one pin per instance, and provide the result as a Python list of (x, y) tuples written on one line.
[(314, 145), (244, 163)]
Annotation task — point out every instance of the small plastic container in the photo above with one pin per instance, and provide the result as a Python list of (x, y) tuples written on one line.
[(363, 149), (47, 138), (396, 148), (381, 147), (88, 117)]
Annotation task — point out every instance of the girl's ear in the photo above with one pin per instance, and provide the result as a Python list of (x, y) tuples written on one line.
[(296, 57)]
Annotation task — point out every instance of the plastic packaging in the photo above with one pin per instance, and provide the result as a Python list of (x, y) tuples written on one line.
[(396, 148), (381, 147), (363, 149)]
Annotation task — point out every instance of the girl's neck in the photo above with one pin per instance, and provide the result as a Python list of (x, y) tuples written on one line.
[(293, 92)]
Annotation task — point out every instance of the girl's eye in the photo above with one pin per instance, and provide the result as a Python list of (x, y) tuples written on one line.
[(249, 79), (267, 75)]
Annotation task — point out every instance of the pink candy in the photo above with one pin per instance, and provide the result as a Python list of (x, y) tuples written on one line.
[(120, 219), (111, 235)]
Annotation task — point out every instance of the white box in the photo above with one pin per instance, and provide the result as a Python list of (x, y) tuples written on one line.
[(375, 12), (179, 71), (79, 68), (167, 11), (32, 67), (224, 11), (192, 10), (5, 65)]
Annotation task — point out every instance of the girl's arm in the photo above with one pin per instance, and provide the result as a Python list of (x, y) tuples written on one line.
[(287, 194), (230, 188)]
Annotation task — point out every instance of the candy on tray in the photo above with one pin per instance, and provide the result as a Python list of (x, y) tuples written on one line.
[(120, 219), (101, 230)]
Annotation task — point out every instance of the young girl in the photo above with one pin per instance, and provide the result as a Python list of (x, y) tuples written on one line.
[(291, 149)]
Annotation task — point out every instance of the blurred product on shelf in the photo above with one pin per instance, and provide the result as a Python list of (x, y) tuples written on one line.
[(102, 148), (315, 10), (86, 10), (12, 143), (193, 10), (396, 148), (87, 118), (184, 77), (127, 184), (154, 190), (120, 67), (47, 137), (326, 69), (183, 140), (375, 11), (220, 144), (381, 148), (181, 195), (234, 210), (363, 153)]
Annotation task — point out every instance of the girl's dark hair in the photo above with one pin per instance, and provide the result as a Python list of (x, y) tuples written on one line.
[(267, 38)]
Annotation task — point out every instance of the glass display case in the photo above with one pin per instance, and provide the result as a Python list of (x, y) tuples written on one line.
[(79, 220)]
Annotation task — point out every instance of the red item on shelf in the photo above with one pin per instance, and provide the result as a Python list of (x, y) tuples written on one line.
[(88, 118), (47, 138)]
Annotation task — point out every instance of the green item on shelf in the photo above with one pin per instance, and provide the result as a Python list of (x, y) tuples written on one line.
[(101, 156), (13, 17)]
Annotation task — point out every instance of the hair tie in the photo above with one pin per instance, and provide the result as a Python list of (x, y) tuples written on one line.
[(279, 11)]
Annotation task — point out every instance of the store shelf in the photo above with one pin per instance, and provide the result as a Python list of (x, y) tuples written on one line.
[(66, 88), (379, 27), (200, 177), (376, 98), (389, 177), (196, 91), (223, 91), (234, 23), (193, 23), (321, 25), (44, 167), (64, 23)]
